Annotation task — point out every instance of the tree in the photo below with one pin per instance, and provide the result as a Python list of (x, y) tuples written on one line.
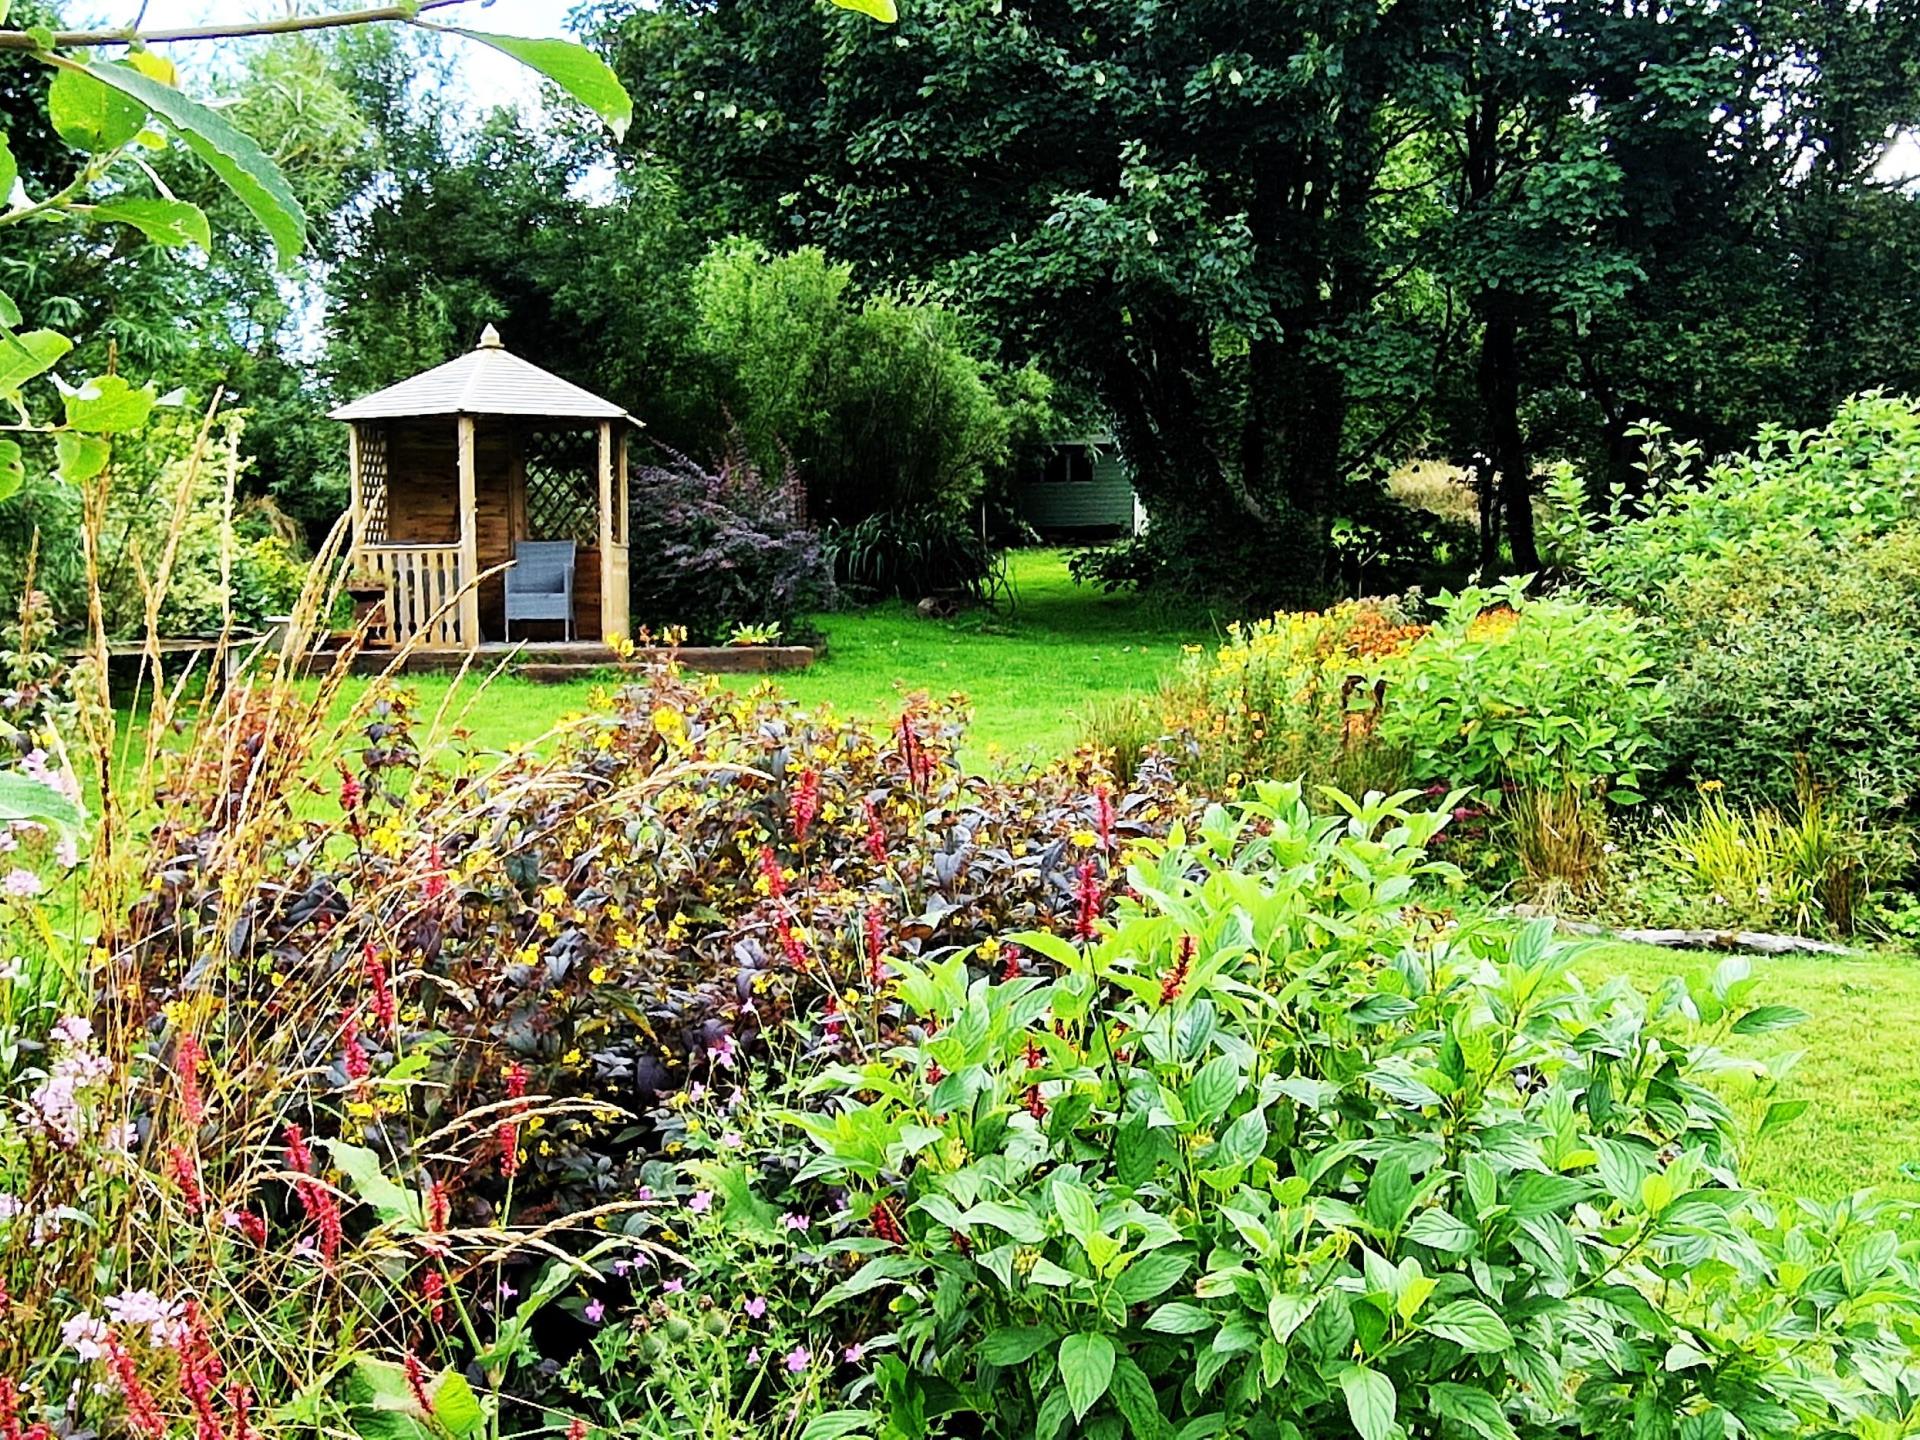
[(1173, 205)]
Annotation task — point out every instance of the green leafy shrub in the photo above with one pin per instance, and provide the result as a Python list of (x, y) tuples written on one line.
[(1857, 477), (908, 556), (1249, 1165), (1809, 870), (1803, 658), (1509, 690), (883, 404)]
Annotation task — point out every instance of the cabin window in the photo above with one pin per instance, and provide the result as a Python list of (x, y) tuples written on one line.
[(1070, 465)]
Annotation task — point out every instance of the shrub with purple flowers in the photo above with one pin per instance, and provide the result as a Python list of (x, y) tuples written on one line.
[(725, 547)]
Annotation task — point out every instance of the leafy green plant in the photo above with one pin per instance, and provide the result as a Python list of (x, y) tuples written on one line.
[(1799, 661), (1270, 1155), (1805, 871), (1857, 477), (1509, 689)]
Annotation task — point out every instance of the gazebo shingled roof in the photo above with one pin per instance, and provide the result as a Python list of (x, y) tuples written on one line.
[(487, 380)]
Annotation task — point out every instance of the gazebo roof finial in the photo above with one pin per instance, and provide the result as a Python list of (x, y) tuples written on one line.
[(489, 339)]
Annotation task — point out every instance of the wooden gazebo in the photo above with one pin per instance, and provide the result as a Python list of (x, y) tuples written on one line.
[(455, 467)]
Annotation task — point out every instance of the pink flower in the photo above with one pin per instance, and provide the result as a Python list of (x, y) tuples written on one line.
[(792, 1221), (21, 884), (798, 1359), (701, 1202), (753, 1356), (674, 1287), (85, 1335), (595, 1312), (73, 1030), (854, 1353), (756, 1307), (733, 1140)]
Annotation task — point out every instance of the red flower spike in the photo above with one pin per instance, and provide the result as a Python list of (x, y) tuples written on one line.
[(1012, 968), (1087, 892), (240, 1402), (1103, 817), (876, 835), (417, 1383), (770, 868), (507, 1136), (386, 1011), (186, 1061), (143, 1416), (1176, 978), (433, 1292), (576, 1429), (354, 1054), (1035, 1056), (436, 885), (886, 1222), (805, 804), (299, 1157), (187, 1176), (253, 1226), (1036, 1103), (439, 1207)]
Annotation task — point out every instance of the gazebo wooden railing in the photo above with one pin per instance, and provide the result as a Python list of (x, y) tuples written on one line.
[(423, 592)]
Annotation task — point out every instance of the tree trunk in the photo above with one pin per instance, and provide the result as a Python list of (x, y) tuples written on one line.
[(1500, 395)]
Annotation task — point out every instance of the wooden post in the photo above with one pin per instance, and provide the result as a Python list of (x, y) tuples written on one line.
[(356, 505), (469, 627), (613, 572)]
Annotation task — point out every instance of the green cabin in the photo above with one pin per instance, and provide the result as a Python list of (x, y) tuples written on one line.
[(1081, 491)]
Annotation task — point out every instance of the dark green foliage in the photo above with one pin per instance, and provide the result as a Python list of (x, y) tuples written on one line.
[(1801, 658), (1286, 245), (914, 555)]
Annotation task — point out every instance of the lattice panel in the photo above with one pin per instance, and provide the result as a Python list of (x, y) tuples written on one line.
[(563, 486), (372, 440)]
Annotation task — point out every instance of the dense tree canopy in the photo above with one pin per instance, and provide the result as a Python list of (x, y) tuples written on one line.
[(1288, 244)]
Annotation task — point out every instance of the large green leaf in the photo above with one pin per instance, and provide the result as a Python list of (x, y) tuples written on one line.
[(91, 115), (1474, 1410), (24, 798), (9, 172), (79, 457), (1371, 1401), (24, 356), (165, 222), (232, 155), (1086, 1368), (394, 1204), (882, 10), (1471, 1325), (13, 474), (574, 68), (108, 405)]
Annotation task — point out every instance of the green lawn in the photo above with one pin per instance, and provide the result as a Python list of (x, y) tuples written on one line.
[(1859, 1066), (1029, 669)]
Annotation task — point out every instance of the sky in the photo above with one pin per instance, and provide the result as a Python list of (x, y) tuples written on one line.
[(485, 76)]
